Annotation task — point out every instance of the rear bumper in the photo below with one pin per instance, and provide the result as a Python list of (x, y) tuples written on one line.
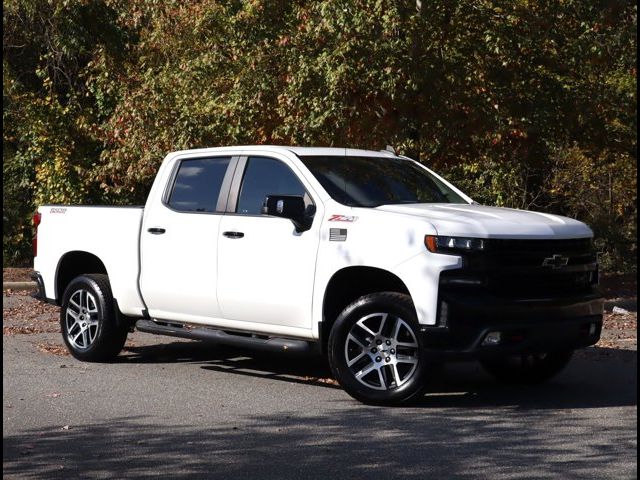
[(522, 325), (40, 291)]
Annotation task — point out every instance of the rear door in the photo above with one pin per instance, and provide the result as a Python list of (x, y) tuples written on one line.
[(179, 241), (265, 268)]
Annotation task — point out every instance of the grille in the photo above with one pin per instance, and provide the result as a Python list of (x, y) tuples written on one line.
[(528, 260), (515, 268), (577, 245), (528, 283), (511, 254)]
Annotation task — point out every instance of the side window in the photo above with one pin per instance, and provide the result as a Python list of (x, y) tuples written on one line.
[(265, 176), (197, 184)]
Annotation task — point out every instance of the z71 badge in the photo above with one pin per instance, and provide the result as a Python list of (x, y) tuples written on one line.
[(342, 218)]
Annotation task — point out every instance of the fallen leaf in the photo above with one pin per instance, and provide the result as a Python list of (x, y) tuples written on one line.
[(52, 348)]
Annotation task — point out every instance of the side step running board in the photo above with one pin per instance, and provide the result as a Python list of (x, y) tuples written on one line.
[(254, 342)]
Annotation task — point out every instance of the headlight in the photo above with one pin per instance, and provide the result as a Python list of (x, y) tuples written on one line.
[(453, 245)]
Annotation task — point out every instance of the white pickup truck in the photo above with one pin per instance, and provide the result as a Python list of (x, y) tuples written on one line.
[(369, 257)]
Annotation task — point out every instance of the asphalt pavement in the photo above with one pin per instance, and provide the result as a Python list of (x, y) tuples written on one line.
[(180, 409)]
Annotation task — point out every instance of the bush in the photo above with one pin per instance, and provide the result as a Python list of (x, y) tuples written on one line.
[(525, 104)]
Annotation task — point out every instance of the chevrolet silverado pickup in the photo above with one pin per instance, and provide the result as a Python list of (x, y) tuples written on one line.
[(368, 257)]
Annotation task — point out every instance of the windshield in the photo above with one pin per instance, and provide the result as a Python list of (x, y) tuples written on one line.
[(375, 181)]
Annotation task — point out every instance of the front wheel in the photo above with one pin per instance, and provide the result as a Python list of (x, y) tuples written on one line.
[(88, 320), (375, 351), (530, 368)]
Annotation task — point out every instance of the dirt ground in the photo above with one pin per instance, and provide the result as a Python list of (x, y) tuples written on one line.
[(16, 274)]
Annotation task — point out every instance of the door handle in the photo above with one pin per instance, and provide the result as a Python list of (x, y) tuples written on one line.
[(156, 230), (233, 234)]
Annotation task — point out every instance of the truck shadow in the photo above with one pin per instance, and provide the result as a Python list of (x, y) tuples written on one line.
[(596, 377)]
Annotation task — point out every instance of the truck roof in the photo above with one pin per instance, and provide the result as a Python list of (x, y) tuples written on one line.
[(300, 151)]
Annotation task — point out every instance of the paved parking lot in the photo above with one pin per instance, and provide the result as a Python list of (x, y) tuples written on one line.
[(178, 409)]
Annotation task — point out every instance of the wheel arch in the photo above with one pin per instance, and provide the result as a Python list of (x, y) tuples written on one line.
[(350, 283), (73, 264)]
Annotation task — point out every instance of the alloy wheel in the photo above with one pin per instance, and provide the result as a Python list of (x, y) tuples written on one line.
[(81, 318), (381, 351)]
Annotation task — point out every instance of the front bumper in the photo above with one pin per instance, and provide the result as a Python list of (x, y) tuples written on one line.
[(524, 325)]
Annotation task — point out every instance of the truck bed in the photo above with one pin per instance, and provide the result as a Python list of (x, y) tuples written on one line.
[(110, 233)]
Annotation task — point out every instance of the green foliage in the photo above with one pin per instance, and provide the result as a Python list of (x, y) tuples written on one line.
[(525, 103), (602, 192)]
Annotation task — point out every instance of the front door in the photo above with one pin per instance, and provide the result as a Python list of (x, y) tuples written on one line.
[(265, 268)]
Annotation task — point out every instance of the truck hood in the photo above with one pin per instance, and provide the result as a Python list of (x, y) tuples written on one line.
[(479, 221)]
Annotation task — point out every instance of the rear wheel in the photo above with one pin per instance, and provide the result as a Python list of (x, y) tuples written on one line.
[(528, 368), (88, 320), (375, 351)]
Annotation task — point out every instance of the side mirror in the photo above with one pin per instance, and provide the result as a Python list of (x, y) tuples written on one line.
[(291, 207)]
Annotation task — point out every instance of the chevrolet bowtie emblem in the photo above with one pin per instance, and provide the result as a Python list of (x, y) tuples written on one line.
[(557, 261)]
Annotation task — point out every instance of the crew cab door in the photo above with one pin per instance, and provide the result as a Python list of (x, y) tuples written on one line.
[(266, 268), (179, 241)]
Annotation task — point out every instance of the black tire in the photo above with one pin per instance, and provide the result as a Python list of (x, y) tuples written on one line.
[(88, 320), (527, 369), (399, 308)]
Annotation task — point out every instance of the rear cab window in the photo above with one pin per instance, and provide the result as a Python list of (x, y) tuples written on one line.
[(197, 184)]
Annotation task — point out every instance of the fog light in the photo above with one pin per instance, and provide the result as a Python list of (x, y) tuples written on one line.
[(492, 338)]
